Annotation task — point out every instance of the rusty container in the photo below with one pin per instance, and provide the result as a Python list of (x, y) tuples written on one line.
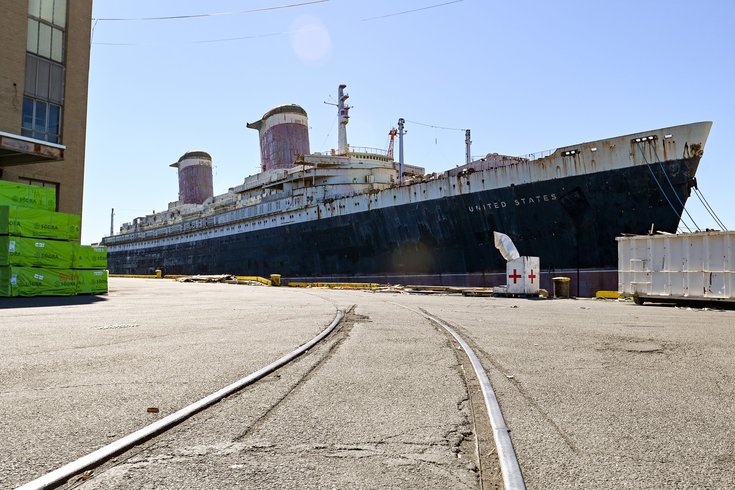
[(284, 134), (561, 287)]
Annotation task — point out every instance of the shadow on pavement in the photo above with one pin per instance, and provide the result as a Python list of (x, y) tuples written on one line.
[(41, 301)]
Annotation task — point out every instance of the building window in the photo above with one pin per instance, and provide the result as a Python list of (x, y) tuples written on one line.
[(46, 25), (39, 183), (41, 120), (44, 83), (44, 79)]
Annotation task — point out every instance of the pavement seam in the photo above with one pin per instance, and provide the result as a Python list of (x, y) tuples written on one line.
[(144, 445), (485, 459), (520, 388), (487, 463), (340, 336)]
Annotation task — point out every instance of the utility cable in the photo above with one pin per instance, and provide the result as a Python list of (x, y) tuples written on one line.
[(410, 11), (673, 189), (329, 133), (709, 208), (256, 36), (673, 208), (663, 171), (435, 127), (698, 193), (240, 38), (176, 17)]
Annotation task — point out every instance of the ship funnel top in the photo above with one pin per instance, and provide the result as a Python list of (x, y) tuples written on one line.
[(284, 134), (195, 177), (192, 154), (283, 109)]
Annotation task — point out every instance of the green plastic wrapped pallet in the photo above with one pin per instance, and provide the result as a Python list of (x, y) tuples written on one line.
[(89, 257), (37, 281), (28, 196), (38, 223), (92, 281), (35, 252)]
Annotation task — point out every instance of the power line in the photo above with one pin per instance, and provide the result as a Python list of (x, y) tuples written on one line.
[(436, 127), (175, 17), (204, 41), (255, 36), (411, 11)]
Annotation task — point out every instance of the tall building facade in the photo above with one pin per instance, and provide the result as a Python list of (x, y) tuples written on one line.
[(44, 73)]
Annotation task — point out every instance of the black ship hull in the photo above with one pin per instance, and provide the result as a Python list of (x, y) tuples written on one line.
[(570, 223)]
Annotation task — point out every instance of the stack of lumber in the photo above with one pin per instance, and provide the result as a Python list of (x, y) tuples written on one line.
[(40, 253)]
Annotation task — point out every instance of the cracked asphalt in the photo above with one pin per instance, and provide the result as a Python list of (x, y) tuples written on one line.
[(350, 418), (598, 394)]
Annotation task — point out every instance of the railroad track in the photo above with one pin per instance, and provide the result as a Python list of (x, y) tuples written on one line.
[(510, 469), (493, 444), (78, 467)]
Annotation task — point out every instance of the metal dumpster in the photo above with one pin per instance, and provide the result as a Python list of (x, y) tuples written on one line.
[(684, 267)]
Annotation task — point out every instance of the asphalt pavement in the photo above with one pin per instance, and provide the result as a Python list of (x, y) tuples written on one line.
[(598, 394)]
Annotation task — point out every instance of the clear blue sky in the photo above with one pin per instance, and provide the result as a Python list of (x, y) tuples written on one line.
[(524, 76)]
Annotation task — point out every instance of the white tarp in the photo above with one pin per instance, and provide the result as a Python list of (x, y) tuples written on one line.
[(506, 247)]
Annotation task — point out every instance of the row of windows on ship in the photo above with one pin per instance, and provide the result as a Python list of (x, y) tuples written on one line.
[(226, 228), (252, 212), (232, 228)]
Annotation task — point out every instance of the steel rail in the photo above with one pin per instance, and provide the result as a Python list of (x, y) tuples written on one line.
[(509, 467), (94, 458)]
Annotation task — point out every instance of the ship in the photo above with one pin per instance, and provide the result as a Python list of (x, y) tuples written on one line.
[(357, 215)]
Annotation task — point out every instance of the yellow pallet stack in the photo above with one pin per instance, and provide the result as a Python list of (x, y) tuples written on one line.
[(39, 251)]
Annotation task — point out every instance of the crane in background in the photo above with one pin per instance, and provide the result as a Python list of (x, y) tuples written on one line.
[(392, 133)]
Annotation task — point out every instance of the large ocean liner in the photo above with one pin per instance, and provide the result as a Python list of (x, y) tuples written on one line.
[(356, 214)]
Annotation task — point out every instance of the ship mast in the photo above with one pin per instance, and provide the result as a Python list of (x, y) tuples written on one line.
[(343, 118), (401, 132), (468, 145)]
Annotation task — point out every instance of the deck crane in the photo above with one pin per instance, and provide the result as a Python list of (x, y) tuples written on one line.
[(392, 133)]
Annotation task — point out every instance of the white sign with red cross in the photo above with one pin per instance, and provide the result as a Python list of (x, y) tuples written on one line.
[(523, 275)]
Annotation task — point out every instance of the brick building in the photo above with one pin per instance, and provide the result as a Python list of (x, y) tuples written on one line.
[(44, 71)]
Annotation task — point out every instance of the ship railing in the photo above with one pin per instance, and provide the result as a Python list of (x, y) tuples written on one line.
[(369, 150), (538, 155)]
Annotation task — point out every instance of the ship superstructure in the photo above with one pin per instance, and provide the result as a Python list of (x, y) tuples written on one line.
[(356, 214)]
